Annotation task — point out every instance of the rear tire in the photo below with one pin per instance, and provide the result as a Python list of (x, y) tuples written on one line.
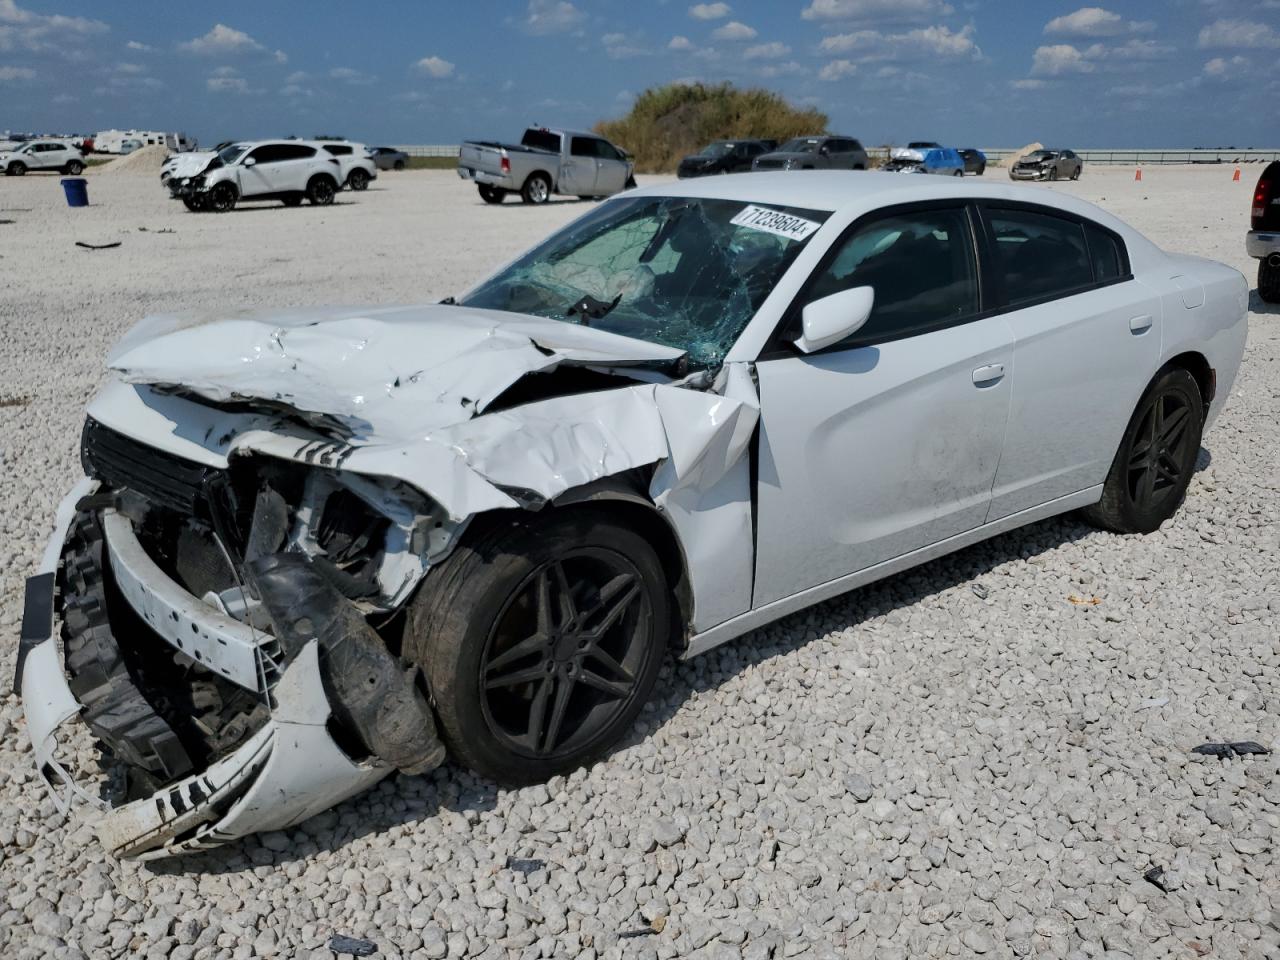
[(359, 180), (320, 191), (295, 201), (75, 168), (222, 198), (1152, 468), (537, 189), (529, 678), (491, 194), (1268, 282)]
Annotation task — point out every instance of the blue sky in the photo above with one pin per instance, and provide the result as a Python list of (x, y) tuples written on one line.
[(984, 72)]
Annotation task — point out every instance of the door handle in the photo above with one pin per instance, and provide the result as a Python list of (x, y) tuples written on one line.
[(1140, 325), (991, 373)]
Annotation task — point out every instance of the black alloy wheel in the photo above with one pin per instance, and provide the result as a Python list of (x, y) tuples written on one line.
[(563, 657), (1153, 467), (222, 198), (320, 191), (359, 180)]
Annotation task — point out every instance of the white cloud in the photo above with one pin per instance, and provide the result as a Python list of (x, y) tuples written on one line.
[(280, 56), (767, 51), (680, 43), (1243, 34), (225, 80), (9, 74), (734, 30), (352, 76), (1095, 22), (788, 68), (551, 16), (1220, 68), (129, 68), (135, 45), (938, 41), (838, 70), (1064, 58), (866, 10), (222, 40), (620, 46), (434, 66), (709, 11), (1028, 83), (36, 32), (1058, 59), (298, 76)]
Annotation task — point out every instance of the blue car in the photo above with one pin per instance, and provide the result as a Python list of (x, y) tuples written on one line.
[(921, 158)]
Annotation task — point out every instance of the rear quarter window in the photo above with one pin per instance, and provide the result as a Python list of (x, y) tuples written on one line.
[(1105, 253)]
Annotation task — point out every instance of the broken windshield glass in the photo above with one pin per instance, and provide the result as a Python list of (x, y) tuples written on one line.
[(684, 272)]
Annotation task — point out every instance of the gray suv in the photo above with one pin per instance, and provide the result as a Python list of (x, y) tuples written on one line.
[(815, 153)]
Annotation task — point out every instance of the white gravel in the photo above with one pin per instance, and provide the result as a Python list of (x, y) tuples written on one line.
[(957, 761)]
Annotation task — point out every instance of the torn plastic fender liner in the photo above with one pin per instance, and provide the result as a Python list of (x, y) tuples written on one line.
[(370, 691)]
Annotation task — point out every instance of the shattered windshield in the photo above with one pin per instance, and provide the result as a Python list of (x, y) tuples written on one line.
[(229, 154), (799, 146), (684, 272), (717, 149)]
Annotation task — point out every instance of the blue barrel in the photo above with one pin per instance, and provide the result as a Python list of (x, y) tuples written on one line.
[(77, 191)]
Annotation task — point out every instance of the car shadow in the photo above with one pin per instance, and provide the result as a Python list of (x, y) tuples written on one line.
[(1258, 305), (249, 206), (401, 800)]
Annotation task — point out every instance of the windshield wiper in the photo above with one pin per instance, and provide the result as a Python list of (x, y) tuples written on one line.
[(589, 308)]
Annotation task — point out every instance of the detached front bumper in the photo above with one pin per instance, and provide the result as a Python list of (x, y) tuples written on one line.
[(287, 770), (1261, 244)]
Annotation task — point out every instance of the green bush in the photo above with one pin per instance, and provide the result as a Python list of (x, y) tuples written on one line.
[(667, 123)]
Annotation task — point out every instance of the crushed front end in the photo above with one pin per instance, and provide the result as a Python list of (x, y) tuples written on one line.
[(230, 636)]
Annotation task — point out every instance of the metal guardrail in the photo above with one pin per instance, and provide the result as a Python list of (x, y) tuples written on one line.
[(998, 154)]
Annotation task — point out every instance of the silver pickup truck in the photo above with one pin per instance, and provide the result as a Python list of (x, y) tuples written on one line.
[(546, 162)]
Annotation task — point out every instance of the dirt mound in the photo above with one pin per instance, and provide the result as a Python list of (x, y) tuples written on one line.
[(142, 162), (1017, 155)]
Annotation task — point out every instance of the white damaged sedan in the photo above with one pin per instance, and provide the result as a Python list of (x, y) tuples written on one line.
[(316, 546)]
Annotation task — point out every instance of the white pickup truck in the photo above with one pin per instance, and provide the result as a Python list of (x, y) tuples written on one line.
[(546, 162)]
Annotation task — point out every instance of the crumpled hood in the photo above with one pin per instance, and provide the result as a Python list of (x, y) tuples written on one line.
[(189, 164), (382, 372), (907, 153)]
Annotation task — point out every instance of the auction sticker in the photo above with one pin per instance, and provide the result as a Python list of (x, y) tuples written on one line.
[(775, 222)]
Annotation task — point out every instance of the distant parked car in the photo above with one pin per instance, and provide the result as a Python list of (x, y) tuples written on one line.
[(722, 156), (544, 162), (57, 155), (389, 158), (1048, 165), (815, 153), (287, 170), (941, 161), (357, 166), (975, 161), (1263, 241), (128, 146)]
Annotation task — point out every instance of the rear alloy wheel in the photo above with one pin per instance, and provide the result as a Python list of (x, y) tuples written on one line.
[(537, 189), (320, 191), (222, 198), (75, 168), (541, 641), (359, 180), (1269, 280), (1156, 459)]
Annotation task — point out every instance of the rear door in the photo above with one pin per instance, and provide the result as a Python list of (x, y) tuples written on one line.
[(888, 442), (1086, 337)]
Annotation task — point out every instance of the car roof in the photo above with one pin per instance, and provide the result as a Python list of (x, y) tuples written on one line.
[(837, 190)]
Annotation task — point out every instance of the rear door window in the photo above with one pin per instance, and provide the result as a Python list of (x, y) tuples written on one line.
[(541, 140), (1038, 256), (338, 150)]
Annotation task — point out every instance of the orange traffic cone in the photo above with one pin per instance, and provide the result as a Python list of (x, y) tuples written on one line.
[(1137, 175), (1235, 178)]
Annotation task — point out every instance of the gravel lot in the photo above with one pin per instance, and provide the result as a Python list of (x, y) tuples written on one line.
[(957, 761)]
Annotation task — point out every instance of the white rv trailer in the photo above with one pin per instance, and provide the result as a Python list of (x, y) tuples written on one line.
[(111, 141)]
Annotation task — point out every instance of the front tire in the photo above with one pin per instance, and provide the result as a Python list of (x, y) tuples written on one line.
[(1053, 173), (222, 198), (320, 191), (399, 164), (1157, 456), (541, 640), (359, 180), (982, 169), (1268, 282), (17, 169), (195, 203), (537, 189)]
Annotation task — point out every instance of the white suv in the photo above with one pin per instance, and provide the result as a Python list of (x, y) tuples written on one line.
[(42, 155), (286, 170), (357, 164)]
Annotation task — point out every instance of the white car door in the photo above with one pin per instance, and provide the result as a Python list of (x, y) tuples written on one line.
[(611, 169), (260, 170), (888, 443), (45, 156), (1086, 339), (578, 170)]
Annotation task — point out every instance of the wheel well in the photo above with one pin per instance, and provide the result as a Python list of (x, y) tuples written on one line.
[(1196, 365), (539, 173), (323, 176)]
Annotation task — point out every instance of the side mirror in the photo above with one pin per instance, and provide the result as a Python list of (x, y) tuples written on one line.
[(250, 162), (832, 319)]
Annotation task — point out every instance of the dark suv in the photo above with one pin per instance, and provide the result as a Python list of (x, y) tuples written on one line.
[(815, 153), (723, 156), (1263, 241)]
